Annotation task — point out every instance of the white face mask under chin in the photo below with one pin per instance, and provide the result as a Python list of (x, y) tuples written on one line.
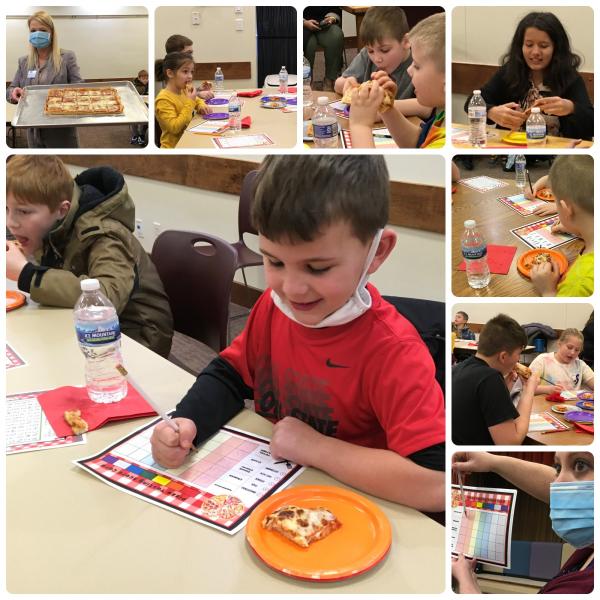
[(359, 303)]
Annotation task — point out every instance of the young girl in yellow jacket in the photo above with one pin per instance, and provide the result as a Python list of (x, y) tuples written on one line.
[(176, 102)]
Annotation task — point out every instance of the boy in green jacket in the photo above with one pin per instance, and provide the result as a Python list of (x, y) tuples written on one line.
[(70, 229)]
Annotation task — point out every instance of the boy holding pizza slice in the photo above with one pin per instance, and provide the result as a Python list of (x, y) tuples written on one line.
[(346, 380)]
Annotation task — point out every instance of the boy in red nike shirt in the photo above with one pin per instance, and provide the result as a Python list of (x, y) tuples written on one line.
[(346, 379)]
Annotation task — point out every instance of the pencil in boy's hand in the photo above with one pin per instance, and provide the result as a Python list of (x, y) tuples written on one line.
[(529, 180), (462, 493), (145, 396)]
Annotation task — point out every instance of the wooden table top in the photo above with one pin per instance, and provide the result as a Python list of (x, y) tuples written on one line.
[(471, 346), (279, 126), (560, 438), (495, 220), (494, 139)]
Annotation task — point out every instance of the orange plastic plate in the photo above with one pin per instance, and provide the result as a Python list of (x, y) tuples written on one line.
[(526, 257), (14, 300), (359, 544), (546, 195)]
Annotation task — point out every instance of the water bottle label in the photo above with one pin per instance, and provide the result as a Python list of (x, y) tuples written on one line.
[(306, 72), (536, 132), (474, 252), (93, 334), (235, 109), (325, 131), (477, 112)]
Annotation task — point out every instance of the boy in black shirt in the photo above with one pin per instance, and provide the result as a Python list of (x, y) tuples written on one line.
[(482, 410)]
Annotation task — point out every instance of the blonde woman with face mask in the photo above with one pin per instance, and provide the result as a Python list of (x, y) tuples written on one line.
[(45, 64)]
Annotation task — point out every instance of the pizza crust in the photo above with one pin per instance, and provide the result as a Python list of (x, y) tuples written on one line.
[(386, 103), (303, 526), (83, 101), (75, 422)]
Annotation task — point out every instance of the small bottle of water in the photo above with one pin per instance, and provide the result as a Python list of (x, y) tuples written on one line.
[(477, 112), (325, 125), (283, 81), (235, 114), (520, 166), (219, 80), (474, 251), (307, 98), (99, 337), (535, 128)]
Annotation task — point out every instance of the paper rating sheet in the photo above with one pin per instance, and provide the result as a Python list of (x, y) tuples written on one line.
[(522, 205), (27, 428), (13, 360), (218, 485), (539, 234), (483, 529), (483, 183)]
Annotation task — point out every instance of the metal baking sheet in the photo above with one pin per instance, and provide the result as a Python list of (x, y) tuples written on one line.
[(30, 110)]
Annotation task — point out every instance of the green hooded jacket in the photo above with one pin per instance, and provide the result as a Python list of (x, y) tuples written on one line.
[(95, 240)]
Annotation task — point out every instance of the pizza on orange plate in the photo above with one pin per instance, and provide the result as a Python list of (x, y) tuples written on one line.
[(303, 526)]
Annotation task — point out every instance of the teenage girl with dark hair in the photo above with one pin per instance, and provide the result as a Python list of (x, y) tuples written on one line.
[(176, 102), (540, 69)]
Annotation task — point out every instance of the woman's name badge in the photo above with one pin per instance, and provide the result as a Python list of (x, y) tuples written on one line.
[(31, 74)]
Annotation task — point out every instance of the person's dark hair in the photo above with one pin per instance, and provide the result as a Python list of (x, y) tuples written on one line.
[(176, 43), (383, 21), (173, 61), (564, 64), (501, 334), (463, 313), (297, 196)]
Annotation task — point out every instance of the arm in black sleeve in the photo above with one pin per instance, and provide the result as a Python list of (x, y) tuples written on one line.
[(579, 124), (433, 457), (217, 395), (493, 92)]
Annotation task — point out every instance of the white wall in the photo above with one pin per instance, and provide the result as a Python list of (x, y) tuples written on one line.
[(415, 267), (215, 38), (558, 316), (107, 42), (474, 41)]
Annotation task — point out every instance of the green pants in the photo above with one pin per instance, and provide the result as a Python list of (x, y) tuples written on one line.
[(332, 42)]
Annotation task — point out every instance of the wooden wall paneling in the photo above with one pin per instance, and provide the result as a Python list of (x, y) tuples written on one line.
[(231, 70)]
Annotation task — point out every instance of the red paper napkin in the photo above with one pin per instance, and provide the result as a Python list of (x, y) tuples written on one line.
[(251, 94), (55, 402), (246, 122), (292, 90), (554, 397), (584, 427), (499, 259)]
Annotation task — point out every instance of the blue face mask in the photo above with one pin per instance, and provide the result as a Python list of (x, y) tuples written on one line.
[(572, 512), (40, 39)]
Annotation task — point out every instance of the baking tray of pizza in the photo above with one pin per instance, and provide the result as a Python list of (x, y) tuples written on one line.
[(80, 104)]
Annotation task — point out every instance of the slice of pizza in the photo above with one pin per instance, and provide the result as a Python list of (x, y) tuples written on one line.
[(386, 103), (303, 526), (75, 422)]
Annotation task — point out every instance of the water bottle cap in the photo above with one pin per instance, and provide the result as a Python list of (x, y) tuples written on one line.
[(477, 91), (535, 109), (90, 285), (322, 100), (470, 224)]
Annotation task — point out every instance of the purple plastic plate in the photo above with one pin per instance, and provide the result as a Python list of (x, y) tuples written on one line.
[(292, 101), (586, 404), (216, 116), (272, 99), (580, 416), (585, 395), (217, 101)]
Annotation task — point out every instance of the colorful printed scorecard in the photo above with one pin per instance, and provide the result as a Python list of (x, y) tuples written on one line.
[(522, 205), (539, 234), (485, 532), (27, 427), (483, 183), (218, 485)]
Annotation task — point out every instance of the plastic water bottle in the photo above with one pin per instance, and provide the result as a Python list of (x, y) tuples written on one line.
[(535, 128), (99, 337), (325, 125), (474, 251), (477, 112), (283, 81), (235, 114), (219, 80), (307, 98), (520, 166)]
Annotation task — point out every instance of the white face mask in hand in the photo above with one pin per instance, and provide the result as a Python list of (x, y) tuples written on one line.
[(359, 303)]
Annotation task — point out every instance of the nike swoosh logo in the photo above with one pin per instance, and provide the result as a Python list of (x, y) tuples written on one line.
[(334, 366)]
